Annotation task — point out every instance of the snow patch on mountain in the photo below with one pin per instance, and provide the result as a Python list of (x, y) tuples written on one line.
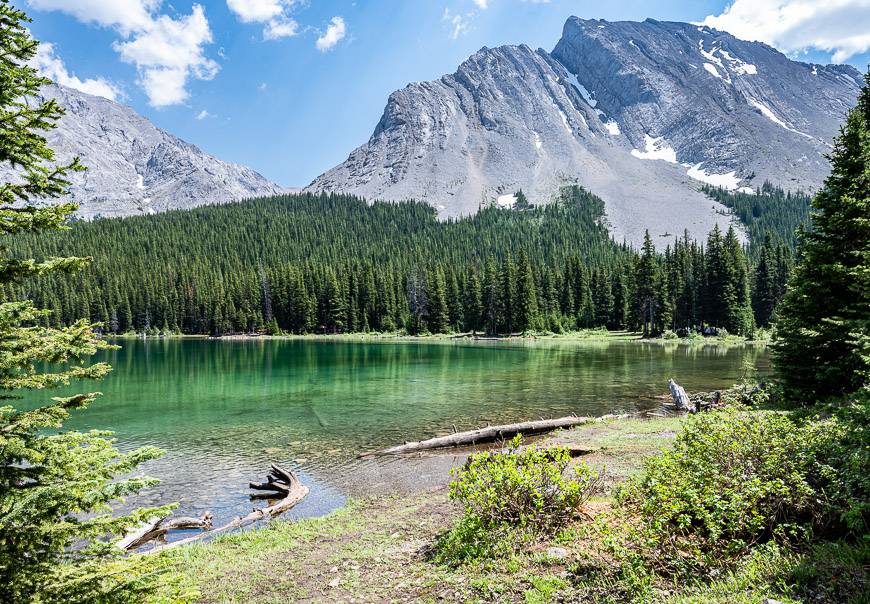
[(604, 104), (712, 70), (728, 181), (612, 128), (766, 112), (656, 148)]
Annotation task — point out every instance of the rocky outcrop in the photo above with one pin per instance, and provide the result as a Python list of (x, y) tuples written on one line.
[(639, 113), (720, 103), (135, 167)]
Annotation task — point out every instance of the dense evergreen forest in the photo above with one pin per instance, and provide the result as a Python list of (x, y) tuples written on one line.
[(768, 212), (336, 264)]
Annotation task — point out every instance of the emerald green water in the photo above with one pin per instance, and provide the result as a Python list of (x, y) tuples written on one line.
[(223, 410)]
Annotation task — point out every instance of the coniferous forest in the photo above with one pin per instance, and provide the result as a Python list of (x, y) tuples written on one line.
[(337, 264)]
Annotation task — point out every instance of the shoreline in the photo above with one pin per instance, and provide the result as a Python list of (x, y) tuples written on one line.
[(398, 337)]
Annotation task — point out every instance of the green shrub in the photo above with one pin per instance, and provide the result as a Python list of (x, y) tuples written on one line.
[(733, 479), (510, 497), (842, 470)]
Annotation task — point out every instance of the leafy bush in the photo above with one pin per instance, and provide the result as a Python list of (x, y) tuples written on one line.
[(842, 470), (732, 479), (509, 497)]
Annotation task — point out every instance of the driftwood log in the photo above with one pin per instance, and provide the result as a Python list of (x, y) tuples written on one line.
[(284, 488), (678, 394), (486, 435), (158, 528)]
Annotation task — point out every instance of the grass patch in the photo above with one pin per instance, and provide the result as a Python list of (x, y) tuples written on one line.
[(382, 549)]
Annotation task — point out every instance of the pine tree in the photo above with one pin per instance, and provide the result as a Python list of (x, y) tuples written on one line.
[(334, 311), (738, 300), (716, 265), (473, 302), (439, 314), (764, 294), (522, 202), (418, 303), (55, 486), (454, 302), (491, 296), (526, 295), (822, 347), (507, 295), (647, 287), (620, 317)]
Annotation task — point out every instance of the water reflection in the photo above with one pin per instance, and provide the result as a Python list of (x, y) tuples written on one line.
[(224, 409)]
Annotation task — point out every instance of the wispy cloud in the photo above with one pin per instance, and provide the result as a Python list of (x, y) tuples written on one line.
[(332, 36), (274, 14), (841, 27), (203, 114), (459, 24), (167, 51), (50, 65)]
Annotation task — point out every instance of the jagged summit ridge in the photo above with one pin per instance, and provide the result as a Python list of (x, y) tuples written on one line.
[(135, 167), (719, 102), (639, 113)]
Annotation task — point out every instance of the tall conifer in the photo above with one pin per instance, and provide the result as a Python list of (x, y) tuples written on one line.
[(822, 348)]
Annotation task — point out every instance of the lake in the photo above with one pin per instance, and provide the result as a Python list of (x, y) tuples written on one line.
[(222, 410)]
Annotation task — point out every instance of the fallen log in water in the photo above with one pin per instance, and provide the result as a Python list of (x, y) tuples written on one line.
[(157, 529), (483, 435), (281, 482)]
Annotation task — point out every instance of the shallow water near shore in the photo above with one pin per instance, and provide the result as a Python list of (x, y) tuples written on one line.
[(223, 410)]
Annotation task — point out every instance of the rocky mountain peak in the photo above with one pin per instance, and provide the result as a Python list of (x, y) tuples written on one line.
[(640, 113), (135, 167)]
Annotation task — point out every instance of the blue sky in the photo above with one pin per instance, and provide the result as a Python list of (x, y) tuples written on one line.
[(290, 87)]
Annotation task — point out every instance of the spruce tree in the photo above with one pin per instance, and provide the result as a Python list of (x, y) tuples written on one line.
[(473, 302), (56, 486), (526, 295), (439, 313), (822, 346), (491, 301), (647, 287), (738, 300), (507, 295), (764, 297)]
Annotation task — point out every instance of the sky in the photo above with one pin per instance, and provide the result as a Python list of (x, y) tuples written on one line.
[(291, 87)]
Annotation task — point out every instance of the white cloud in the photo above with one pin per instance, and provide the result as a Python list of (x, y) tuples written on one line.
[(51, 66), (275, 14), (841, 27), (482, 4), (126, 15), (257, 11), (203, 114), (459, 24), (262, 86), (333, 34), (282, 27), (166, 51)]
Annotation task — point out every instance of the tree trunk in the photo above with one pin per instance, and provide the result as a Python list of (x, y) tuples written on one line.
[(678, 393), (283, 483), (483, 435)]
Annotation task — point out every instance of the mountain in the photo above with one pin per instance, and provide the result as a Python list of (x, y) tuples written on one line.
[(135, 167), (638, 113)]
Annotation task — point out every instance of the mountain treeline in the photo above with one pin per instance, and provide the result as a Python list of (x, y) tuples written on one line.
[(336, 264), (768, 212)]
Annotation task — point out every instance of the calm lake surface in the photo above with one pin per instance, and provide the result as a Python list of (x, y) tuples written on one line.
[(222, 410)]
